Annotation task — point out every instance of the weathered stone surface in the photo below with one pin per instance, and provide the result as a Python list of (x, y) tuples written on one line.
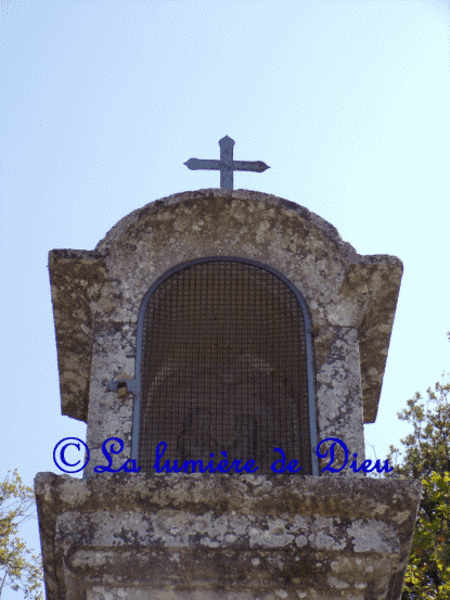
[(97, 296), (216, 536), (77, 278)]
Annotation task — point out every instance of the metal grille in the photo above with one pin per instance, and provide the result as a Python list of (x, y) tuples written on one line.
[(224, 368)]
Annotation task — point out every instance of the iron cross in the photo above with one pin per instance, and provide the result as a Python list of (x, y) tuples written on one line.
[(226, 165)]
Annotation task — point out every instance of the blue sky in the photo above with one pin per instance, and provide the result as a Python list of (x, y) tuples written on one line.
[(103, 101)]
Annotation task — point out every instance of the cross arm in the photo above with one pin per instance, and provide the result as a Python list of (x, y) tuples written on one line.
[(238, 165), (245, 165), (195, 163)]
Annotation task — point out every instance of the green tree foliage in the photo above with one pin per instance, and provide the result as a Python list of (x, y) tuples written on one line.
[(19, 568), (427, 457)]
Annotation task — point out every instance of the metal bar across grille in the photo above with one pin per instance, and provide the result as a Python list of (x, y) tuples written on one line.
[(224, 367)]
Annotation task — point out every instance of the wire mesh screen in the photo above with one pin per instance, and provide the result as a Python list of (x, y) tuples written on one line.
[(224, 368)]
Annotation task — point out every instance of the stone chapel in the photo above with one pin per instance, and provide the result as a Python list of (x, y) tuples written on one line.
[(226, 324)]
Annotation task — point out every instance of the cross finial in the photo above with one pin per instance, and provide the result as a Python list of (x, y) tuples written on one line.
[(226, 165)]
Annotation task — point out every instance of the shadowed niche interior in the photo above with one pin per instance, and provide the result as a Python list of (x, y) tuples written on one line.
[(224, 367)]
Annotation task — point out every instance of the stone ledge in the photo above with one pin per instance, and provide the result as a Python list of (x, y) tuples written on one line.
[(256, 536)]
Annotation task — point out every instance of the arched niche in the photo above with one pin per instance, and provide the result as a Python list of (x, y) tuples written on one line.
[(225, 365)]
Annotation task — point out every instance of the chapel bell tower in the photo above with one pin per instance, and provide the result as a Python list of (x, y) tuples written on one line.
[(223, 321)]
